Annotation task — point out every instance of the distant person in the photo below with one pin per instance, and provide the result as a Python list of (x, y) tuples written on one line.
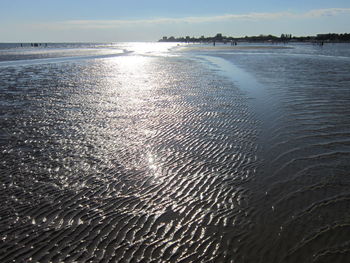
[(214, 43)]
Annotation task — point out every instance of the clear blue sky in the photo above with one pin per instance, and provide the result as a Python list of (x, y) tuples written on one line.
[(147, 20)]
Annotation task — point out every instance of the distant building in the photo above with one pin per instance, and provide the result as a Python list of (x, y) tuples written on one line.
[(218, 37)]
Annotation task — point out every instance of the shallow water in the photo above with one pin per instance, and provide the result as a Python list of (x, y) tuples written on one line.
[(144, 152)]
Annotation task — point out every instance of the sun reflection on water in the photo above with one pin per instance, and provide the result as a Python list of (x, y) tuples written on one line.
[(150, 48), (128, 95)]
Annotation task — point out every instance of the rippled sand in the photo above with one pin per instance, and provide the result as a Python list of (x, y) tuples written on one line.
[(152, 158)]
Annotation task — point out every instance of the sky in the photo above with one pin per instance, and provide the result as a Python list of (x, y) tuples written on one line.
[(150, 20)]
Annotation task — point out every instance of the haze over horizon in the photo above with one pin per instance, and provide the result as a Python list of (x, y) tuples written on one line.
[(109, 21)]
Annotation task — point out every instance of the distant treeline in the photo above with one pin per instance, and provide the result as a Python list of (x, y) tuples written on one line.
[(331, 37)]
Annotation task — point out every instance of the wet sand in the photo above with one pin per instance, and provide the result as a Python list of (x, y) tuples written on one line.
[(228, 47), (197, 157), (114, 167)]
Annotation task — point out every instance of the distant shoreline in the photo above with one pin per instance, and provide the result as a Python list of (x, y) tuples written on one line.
[(284, 38)]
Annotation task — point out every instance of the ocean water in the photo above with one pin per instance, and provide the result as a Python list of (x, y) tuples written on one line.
[(159, 152)]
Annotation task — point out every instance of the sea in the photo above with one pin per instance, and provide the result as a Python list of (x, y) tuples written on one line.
[(171, 152)]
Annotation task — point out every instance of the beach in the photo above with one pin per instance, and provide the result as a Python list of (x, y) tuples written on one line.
[(159, 152)]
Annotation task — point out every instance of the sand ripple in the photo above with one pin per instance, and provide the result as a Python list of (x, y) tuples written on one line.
[(165, 159), (100, 164)]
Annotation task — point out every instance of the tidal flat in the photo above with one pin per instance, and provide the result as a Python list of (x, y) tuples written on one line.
[(154, 152)]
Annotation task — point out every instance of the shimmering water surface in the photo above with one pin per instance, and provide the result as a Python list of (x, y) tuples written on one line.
[(151, 152)]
